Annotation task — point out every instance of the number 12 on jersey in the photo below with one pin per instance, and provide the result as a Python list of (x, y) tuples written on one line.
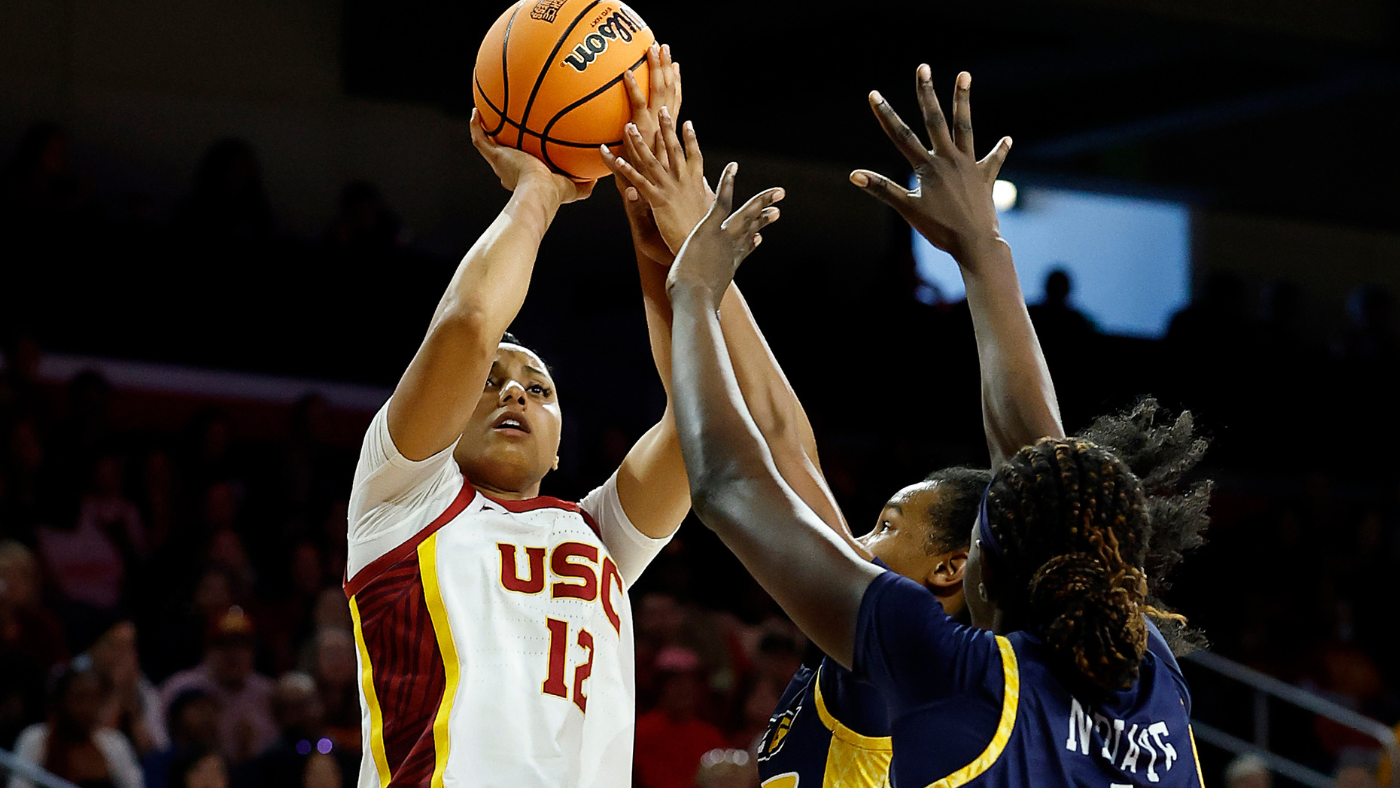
[(558, 650)]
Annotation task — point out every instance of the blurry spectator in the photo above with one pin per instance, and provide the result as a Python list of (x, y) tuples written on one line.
[(227, 204), (246, 726), (670, 739), (72, 744), (1370, 333), (333, 667), (193, 723), (26, 626), (1056, 320), (185, 630), (83, 557), (300, 718), (755, 708), (365, 225), (38, 181), (322, 771), (198, 770), (1216, 315), (156, 499), (727, 769), (132, 704), (19, 382), (31, 486), (1356, 768), (85, 427), (1248, 771)]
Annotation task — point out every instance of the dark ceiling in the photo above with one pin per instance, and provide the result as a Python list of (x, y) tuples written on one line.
[(1262, 112)]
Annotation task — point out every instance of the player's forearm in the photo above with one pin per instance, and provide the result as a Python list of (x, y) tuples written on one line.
[(658, 313), (738, 493), (775, 409), (1018, 395), (490, 283)]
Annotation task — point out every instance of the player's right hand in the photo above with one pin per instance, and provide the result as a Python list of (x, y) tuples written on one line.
[(952, 204), (671, 179), (710, 256), (516, 167)]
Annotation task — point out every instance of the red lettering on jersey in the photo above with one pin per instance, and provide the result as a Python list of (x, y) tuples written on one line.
[(582, 672), (511, 579), (588, 589), (610, 574)]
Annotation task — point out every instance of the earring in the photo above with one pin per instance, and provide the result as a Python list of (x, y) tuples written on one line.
[(982, 591)]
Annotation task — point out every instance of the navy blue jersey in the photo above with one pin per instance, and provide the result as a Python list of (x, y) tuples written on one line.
[(967, 706), (830, 731)]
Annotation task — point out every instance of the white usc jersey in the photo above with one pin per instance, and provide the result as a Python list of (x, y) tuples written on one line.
[(494, 637)]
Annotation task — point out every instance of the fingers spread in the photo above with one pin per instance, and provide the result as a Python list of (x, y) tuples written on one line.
[(623, 169), (886, 190), (903, 138), (991, 165), (962, 113), (934, 121), (758, 211)]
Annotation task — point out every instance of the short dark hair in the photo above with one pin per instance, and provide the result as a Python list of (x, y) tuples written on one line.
[(955, 509), (509, 338)]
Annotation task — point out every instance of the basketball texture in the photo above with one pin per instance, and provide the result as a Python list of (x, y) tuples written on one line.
[(548, 80)]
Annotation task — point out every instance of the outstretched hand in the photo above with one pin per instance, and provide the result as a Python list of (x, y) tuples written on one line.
[(952, 204), (516, 167), (670, 179), (712, 254)]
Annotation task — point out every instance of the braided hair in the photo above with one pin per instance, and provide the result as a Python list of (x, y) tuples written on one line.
[(1075, 526)]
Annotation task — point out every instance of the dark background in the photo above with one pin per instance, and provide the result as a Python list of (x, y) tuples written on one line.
[(1273, 121)]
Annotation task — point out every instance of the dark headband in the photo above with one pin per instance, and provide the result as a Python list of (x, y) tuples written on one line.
[(984, 527)]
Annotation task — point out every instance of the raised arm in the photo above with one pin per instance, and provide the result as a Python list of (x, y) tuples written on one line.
[(651, 482), (669, 192), (735, 485), (436, 395), (952, 207)]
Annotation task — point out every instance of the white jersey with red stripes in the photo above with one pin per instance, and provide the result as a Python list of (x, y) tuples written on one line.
[(494, 637)]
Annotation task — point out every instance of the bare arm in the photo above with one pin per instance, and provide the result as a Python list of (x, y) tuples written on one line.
[(952, 207), (651, 482), (436, 395), (670, 194), (737, 489)]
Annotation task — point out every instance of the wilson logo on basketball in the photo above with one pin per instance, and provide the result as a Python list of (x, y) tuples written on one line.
[(620, 25)]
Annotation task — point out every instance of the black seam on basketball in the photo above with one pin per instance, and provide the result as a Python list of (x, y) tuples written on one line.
[(544, 136), (505, 73), (544, 69)]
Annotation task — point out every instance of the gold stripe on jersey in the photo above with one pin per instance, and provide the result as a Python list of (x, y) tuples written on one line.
[(852, 760), (376, 717), (432, 594), (1196, 756), (1010, 699)]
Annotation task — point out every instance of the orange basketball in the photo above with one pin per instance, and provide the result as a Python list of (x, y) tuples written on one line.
[(548, 79)]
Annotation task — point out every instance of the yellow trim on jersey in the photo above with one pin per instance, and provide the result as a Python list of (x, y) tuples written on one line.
[(1195, 755), (852, 760), (1010, 699), (843, 733), (376, 717), (786, 780), (432, 594)]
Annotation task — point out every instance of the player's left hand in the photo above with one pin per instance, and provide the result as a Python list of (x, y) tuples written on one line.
[(671, 179), (710, 256), (952, 204)]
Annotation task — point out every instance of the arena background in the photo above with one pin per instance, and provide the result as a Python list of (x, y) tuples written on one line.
[(243, 308)]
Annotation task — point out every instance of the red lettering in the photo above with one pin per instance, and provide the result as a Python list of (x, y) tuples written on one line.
[(582, 672), (510, 578), (610, 574), (588, 589), (558, 644)]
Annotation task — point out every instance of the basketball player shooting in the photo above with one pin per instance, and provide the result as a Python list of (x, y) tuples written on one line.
[(492, 624)]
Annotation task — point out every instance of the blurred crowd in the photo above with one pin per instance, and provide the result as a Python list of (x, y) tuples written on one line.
[(170, 602)]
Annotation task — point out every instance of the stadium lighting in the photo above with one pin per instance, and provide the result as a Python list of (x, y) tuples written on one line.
[(1004, 195)]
